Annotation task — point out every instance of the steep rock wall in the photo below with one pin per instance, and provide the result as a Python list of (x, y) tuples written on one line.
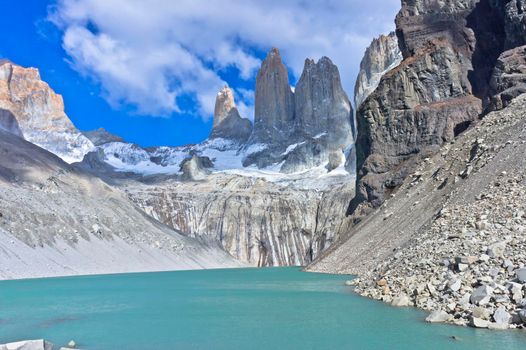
[(256, 221), (39, 112), (450, 49)]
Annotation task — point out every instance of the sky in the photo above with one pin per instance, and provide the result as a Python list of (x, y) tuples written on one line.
[(149, 70)]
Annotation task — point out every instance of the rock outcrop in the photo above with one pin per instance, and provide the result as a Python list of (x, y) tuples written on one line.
[(509, 78), (39, 112), (101, 136), (228, 124), (450, 49), (195, 168), (9, 123), (380, 57), (274, 106)]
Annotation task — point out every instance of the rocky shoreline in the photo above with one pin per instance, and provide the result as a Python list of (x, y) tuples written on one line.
[(468, 266)]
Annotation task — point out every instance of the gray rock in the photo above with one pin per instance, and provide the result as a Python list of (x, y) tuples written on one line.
[(28, 345), (496, 250), (479, 323), (481, 295), (454, 284), (498, 326), (509, 77), (401, 301), (9, 123), (481, 312), (501, 316), (381, 55), (195, 168), (522, 315), (439, 316), (521, 275)]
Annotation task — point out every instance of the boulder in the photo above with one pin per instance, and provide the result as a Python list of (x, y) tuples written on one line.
[(501, 316), (481, 312), (521, 275), (498, 326), (401, 301), (481, 295), (522, 315), (479, 323), (454, 284), (39, 344), (496, 250), (439, 316), (195, 168)]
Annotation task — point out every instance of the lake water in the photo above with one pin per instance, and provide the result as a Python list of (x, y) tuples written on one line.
[(278, 308)]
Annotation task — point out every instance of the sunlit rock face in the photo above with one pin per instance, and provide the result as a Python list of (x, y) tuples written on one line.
[(380, 57), (39, 112), (228, 124)]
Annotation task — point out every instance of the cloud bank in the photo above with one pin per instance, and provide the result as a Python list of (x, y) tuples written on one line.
[(157, 55)]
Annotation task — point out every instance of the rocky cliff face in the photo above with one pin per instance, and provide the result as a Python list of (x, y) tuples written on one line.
[(316, 120), (509, 78), (101, 136), (228, 124), (257, 221), (321, 105), (380, 57), (274, 106), (39, 112), (450, 49)]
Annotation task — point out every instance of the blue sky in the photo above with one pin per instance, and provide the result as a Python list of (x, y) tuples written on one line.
[(149, 70)]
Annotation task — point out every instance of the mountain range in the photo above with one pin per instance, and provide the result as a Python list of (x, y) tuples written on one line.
[(381, 191)]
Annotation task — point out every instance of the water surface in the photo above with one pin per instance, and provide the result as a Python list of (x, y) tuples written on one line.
[(278, 308)]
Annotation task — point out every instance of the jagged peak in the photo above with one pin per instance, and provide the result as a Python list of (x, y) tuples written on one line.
[(228, 123), (224, 104), (323, 61), (274, 52)]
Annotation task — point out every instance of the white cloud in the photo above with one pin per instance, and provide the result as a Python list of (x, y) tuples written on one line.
[(150, 53)]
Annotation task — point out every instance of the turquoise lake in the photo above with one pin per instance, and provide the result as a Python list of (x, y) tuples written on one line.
[(275, 308)]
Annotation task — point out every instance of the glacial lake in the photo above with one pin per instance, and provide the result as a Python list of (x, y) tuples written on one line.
[(274, 308)]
